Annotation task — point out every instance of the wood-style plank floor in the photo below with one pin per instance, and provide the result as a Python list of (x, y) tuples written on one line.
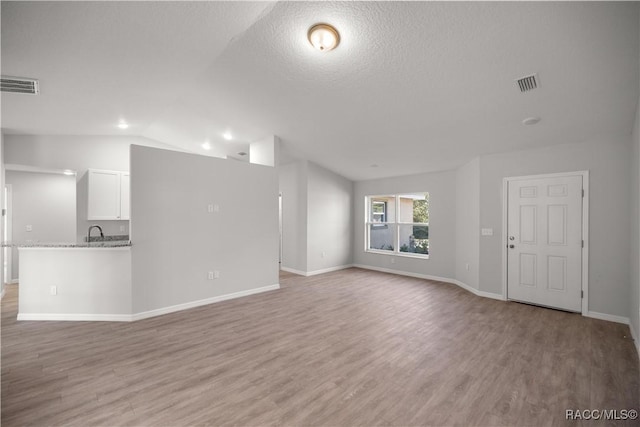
[(352, 347)]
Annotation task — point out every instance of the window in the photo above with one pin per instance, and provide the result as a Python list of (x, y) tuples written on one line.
[(398, 224)]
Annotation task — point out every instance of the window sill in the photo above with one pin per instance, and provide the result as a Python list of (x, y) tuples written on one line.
[(400, 254)]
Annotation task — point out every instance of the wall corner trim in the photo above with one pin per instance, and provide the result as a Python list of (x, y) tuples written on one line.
[(434, 278), (634, 335), (198, 303), (143, 315), (75, 317), (608, 317), (316, 272)]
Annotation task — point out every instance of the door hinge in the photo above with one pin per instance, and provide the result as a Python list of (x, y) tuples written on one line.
[(583, 243), (581, 294), (582, 193)]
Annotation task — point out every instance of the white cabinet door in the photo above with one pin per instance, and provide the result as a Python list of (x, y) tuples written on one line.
[(125, 202), (104, 195)]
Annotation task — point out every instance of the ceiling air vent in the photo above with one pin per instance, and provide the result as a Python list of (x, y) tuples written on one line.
[(528, 83), (19, 85)]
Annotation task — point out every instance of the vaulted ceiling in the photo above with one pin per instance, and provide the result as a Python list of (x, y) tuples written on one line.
[(412, 87)]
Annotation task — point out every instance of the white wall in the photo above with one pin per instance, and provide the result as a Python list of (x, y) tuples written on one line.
[(329, 213), (293, 187), (468, 223), (92, 284), (634, 287), (606, 158), (441, 187), (176, 241), (77, 153), (47, 203), (2, 183)]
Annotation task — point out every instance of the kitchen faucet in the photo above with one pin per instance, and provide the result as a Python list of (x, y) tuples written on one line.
[(89, 233)]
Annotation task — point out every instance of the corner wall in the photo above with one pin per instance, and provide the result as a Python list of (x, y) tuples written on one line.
[(442, 223), (293, 187), (634, 284), (606, 159), (177, 241), (468, 223)]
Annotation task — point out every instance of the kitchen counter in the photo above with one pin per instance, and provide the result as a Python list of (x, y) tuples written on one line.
[(85, 245)]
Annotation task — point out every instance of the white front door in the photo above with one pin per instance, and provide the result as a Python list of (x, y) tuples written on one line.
[(544, 241)]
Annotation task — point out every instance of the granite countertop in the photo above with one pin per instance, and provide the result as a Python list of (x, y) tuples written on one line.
[(92, 244)]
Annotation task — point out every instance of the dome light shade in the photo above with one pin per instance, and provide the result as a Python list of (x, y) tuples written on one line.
[(323, 37)]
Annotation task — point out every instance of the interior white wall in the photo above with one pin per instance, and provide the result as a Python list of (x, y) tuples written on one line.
[(2, 184), (47, 203), (468, 223), (293, 187), (77, 153), (442, 223), (265, 151), (176, 241), (634, 287), (329, 214), (606, 159)]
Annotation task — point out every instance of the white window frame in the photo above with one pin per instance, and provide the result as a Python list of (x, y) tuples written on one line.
[(395, 225)]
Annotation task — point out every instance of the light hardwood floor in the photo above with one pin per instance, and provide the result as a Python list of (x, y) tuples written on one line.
[(352, 347)]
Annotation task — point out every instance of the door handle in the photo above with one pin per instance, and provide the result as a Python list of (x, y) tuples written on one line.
[(511, 246)]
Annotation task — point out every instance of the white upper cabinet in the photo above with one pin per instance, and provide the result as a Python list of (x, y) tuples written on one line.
[(108, 195)]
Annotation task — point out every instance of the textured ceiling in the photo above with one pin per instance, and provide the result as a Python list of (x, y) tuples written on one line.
[(413, 86)]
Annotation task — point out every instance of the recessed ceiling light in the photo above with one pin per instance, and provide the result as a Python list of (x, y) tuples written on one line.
[(530, 121), (123, 124), (206, 145), (323, 37), (227, 136), (68, 172)]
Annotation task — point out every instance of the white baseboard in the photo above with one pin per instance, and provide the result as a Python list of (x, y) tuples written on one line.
[(315, 272), (634, 335), (435, 278), (328, 270), (76, 317), (145, 314), (291, 270), (193, 304), (12, 282), (608, 317)]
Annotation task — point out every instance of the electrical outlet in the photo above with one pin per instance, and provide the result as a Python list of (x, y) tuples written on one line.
[(467, 266), (324, 254), (210, 275), (122, 228), (393, 260), (53, 290), (210, 208), (216, 208), (216, 274), (29, 228)]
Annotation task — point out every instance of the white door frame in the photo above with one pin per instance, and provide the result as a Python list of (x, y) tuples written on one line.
[(585, 229), (8, 233)]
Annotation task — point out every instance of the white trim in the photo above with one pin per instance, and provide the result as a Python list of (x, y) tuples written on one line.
[(315, 272), (294, 271), (328, 270), (193, 304), (585, 230), (634, 335), (435, 278), (607, 317), (12, 282), (144, 315), (11, 167), (77, 317)]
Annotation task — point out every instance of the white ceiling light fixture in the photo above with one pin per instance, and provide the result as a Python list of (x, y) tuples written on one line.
[(68, 172), (227, 136), (123, 124), (206, 145), (529, 121), (323, 37)]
